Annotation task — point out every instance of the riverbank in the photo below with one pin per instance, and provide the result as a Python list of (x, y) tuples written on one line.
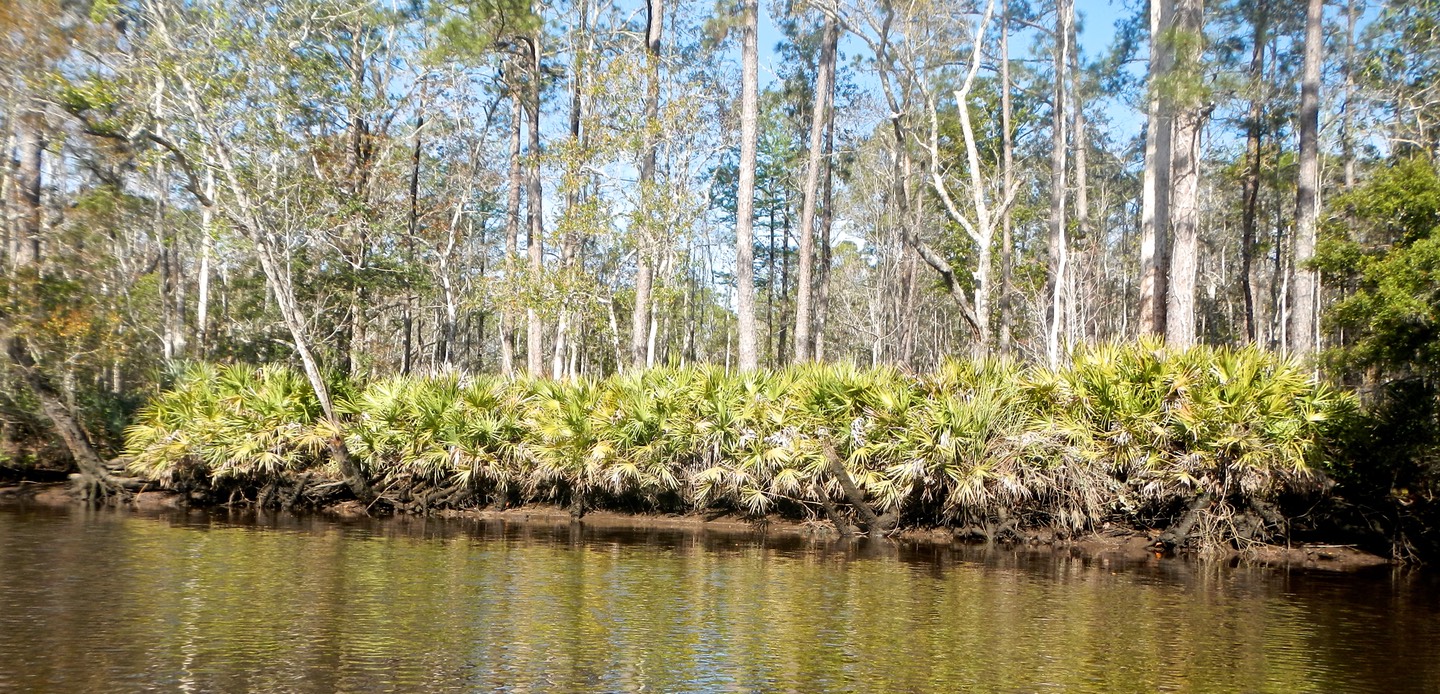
[(1221, 449), (1110, 543)]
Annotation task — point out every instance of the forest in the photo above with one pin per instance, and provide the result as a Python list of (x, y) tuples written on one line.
[(989, 264)]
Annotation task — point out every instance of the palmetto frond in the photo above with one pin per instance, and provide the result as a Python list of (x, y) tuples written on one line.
[(1123, 425)]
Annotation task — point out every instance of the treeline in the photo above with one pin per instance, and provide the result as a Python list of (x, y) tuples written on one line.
[(573, 190), (569, 188)]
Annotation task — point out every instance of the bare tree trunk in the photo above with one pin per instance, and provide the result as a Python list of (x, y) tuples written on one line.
[(827, 216), (1055, 281), (1155, 184), (278, 280), (8, 194), (979, 223), (475, 340), (1353, 8), (640, 318), (1252, 170), (207, 245), (53, 404), (1180, 310), (170, 328), (904, 307), (202, 309), (620, 355), (562, 330), (691, 298), (447, 325), (571, 244), (770, 351), (656, 327), (819, 117), (27, 189), (1185, 182), (781, 340), (640, 312), (534, 205), (908, 213), (412, 228), (1280, 279), (745, 196), (1007, 145), (1074, 315), (1307, 191), (359, 154), (290, 312), (407, 319), (512, 236)]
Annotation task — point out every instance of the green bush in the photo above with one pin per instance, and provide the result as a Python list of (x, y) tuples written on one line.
[(1127, 431)]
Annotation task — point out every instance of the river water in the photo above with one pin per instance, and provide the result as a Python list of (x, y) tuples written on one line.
[(102, 600)]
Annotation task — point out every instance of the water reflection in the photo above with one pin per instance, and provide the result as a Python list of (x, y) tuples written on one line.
[(103, 600)]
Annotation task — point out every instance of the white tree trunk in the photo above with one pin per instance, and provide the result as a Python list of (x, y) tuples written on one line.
[(745, 195), (1155, 182), (804, 313), (1185, 184), (1055, 282), (1307, 191), (535, 209)]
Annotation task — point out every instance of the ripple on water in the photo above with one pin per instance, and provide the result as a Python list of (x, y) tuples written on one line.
[(108, 601)]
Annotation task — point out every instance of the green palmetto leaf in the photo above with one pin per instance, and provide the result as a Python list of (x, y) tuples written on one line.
[(1123, 424)]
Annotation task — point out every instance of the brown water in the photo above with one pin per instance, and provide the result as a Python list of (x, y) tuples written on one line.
[(113, 601)]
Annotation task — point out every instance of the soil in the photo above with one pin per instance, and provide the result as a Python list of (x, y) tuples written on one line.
[(1317, 556), (1108, 543)]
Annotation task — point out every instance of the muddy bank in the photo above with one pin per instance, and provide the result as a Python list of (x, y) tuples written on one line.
[(1116, 543), (51, 493), (1113, 543)]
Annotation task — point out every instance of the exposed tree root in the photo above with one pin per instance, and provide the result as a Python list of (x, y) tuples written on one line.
[(93, 481), (289, 503), (831, 512), (1178, 534), (874, 526)]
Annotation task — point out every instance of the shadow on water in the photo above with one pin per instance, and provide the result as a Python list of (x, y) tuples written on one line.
[(99, 599)]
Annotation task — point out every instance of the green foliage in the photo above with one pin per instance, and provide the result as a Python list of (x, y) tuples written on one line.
[(96, 101), (1388, 262), (1184, 83), (436, 428), (222, 422), (1391, 260), (473, 28), (1387, 471), (1128, 430)]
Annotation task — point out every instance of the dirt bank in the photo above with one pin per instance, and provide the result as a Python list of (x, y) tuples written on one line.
[(1115, 543), (1110, 543)]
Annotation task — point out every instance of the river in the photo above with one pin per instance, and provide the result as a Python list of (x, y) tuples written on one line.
[(105, 600)]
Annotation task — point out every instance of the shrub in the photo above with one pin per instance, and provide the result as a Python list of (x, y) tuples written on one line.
[(1135, 431)]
